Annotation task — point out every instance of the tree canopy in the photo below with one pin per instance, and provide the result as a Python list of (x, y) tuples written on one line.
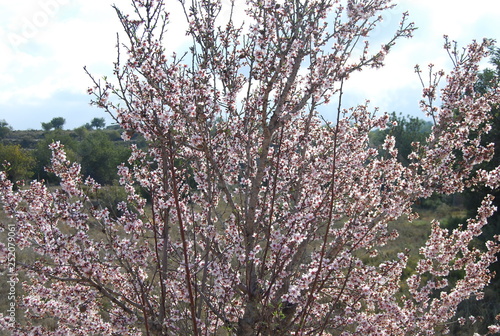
[(5, 129), (277, 232), (17, 162), (55, 123)]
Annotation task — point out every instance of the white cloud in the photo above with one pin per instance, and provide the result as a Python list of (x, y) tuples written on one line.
[(396, 87)]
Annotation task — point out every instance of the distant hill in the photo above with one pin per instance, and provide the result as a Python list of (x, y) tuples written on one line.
[(26, 139), (29, 139)]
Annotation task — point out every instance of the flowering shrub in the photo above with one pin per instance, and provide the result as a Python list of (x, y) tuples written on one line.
[(270, 237)]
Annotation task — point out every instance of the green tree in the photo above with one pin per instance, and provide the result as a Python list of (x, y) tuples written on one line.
[(43, 154), (47, 126), (5, 128), (488, 78), (406, 130), (98, 123), (17, 161), (81, 132), (58, 122), (100, 156), (55, 123)]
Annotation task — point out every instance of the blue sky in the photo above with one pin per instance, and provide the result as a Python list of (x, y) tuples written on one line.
[(44, 45)]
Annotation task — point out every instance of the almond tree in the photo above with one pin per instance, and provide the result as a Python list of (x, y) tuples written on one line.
[(248, 214)]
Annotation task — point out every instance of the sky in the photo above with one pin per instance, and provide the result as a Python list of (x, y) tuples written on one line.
[(44, 45)]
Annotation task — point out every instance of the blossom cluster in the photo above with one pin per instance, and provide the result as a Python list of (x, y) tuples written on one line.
[(247, 212)]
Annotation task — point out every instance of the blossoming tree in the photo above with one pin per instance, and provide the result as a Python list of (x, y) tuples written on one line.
[(248, 214)]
